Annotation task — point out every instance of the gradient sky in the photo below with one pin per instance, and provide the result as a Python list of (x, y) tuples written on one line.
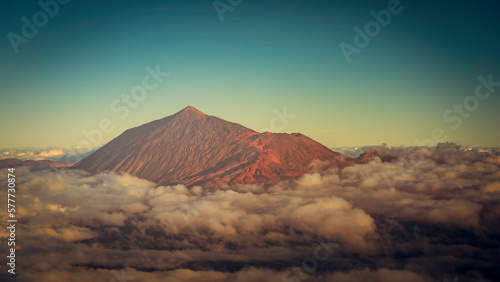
[(265, 55)]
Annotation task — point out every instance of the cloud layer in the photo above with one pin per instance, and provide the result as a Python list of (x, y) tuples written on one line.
[(427, 215), (71, 155)]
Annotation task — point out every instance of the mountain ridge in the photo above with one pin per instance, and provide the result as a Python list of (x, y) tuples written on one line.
[(13, 162)]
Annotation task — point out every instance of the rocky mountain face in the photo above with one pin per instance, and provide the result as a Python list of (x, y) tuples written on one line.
[(192, 148)]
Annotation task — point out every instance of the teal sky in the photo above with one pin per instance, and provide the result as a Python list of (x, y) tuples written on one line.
[(264, 55)]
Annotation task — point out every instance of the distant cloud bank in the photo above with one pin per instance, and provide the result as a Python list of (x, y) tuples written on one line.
[(63, 154)]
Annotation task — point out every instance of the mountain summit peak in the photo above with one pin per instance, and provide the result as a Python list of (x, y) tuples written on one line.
[(190, 108), (190, 111)]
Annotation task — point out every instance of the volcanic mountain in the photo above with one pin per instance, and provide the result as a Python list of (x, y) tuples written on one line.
[(192, 148)]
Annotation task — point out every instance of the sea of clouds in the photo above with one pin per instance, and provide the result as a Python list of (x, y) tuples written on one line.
[(426, 215)]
